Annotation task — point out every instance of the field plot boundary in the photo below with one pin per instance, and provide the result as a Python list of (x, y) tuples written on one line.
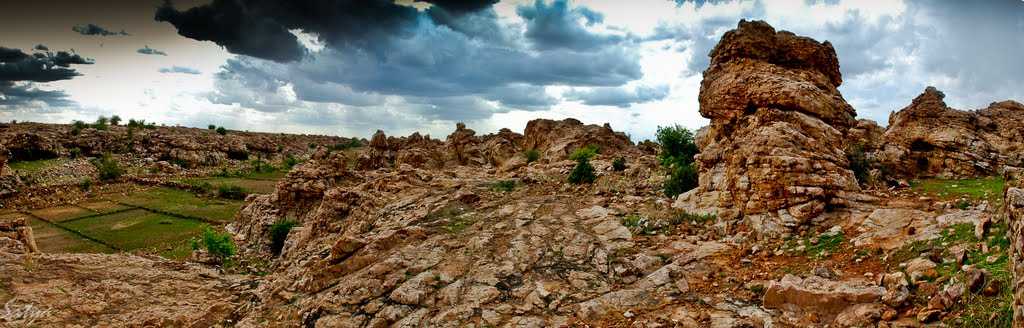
[(176, 215), (72, 231)]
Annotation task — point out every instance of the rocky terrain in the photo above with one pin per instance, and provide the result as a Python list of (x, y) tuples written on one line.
[(473, 230)]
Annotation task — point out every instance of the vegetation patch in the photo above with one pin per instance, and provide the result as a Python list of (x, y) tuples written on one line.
[(676, 156), (504, 186), (218, 244), (817, 247), (232, 192), (36, 166), (137, 229), (583, 172), (183, 203), (989, 188), (532, 155), (52, 239), (107, 168)]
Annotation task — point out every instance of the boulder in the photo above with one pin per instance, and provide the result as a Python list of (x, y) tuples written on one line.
[(774, 153), (822, 297), (556, 140)]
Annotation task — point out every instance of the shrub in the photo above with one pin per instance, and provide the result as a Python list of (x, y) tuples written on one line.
[(312, 145), (504, 186), (231, 192), (290, 161), (279, 233), (583, 172), (532, 155), (85, 184), (77, 126), (681, 179), (586, 152), (75, 152), (218, 244), (211, 127), (619, 164), (115, 120), (676, 156), (222, 131), (107, 167), (677, 145)]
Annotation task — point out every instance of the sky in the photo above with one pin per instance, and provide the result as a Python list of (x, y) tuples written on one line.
[(350, 67)]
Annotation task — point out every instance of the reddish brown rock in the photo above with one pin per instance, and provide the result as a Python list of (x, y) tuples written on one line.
[(930, 139), (556, 140), (773, 156), (1013, 206)]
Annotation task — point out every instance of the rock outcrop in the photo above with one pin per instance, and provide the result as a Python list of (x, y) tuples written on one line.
[(16, 237), (8, 180), (773, 156), (557, 139), (930, 139)]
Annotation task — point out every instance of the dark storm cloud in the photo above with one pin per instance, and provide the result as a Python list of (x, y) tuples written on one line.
[(617, 96), (93, 29), (16, 65), (467, 66), (260, 28), (180, 69), (150, 51), (12, 94), (559, 26)]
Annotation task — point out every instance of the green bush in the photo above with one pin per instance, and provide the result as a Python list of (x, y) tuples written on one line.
[(222, 131), (211, 127), (77, 126), (107, 167), (586, 152), (290, 161), (75, 152), (85, 184), (619, 164), (676, 156), (532, 155), (504, 186), (115, 120), (279, 233), (681, 179), (677, 146), (101, 123), (583, 172), (218, 244), (231, 192)]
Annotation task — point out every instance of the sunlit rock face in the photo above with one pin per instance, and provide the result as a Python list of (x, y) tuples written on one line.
[(929, 139), (773, 157)]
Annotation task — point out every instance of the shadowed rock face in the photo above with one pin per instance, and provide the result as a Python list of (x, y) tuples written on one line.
[(773, 156), (930, 139)]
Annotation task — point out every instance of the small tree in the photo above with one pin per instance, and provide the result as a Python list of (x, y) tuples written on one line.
[(101, 123), (676, 156), (619, 164), (211, 127), (107, 167), (583, 172), (115, 120), (222, 131), (77, 126)]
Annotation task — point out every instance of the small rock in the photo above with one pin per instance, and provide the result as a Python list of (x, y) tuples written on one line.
[(927, 315), (975, 279), (992, 288)]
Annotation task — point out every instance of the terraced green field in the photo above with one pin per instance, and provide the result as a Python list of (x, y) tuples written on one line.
[(138, 229), (183, 203)]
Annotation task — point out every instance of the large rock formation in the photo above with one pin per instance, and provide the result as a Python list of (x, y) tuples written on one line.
[(930, 139), (774, 153), (557, 139)]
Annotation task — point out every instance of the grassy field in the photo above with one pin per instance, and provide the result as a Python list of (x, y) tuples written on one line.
[(183, 203), (62, 213), (990, 188), (52, 239), (31, 167), (138, 229), (260, 186)]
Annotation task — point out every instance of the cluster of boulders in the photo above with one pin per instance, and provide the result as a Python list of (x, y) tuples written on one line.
[(504, 150), (930, 139), (1013, 207), (773, 156)]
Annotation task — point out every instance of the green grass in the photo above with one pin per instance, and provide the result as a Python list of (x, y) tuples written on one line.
[(184, 203), (32, 167), (819, 247), (62, 213), (990, 188), (138, 230), (504, 186), (52, 239)]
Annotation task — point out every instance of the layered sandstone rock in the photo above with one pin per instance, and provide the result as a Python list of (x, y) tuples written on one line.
[(930, 139), (774, 153), (555, 140), (16, 237)]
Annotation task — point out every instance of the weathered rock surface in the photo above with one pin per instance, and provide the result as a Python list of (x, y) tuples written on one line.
[(930, 139), (774, 153), (851, 301), (1013, 205)]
